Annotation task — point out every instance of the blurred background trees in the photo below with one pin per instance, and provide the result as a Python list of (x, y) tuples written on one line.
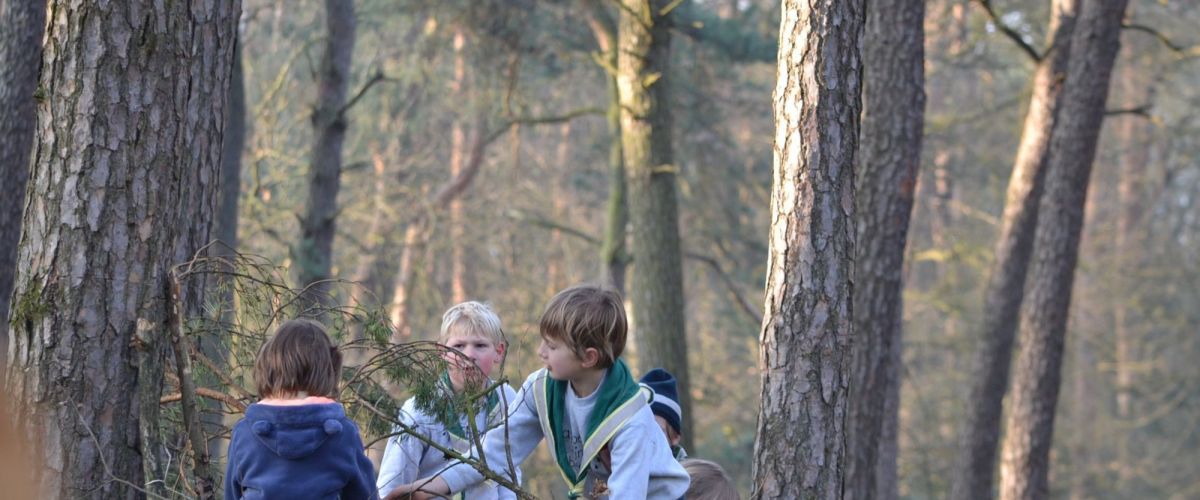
[(481, 158)]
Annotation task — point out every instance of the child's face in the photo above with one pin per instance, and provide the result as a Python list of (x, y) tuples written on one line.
[(561, 362), (482, 356), (673, 437)]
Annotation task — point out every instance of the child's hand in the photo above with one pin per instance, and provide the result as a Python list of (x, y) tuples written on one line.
[(410, 491)]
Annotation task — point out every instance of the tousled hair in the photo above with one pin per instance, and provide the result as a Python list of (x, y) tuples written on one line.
[(709, 481), (587, 316), (298, 358), (471, 318)]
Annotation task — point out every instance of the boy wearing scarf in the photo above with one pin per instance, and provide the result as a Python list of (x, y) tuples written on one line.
[(586, 405), (473, 329)]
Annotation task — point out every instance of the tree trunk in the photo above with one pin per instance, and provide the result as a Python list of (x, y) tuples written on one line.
[(656, 289), (800, 446), (1133, 161), (315, 253), (890, 155), (458, 151), (613, 256), (123, 187), (20, 55), (980, 434), (1024, 467), (887, 477), (226, 229)]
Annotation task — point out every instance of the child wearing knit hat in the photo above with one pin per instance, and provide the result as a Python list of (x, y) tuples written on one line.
[(666, 407)]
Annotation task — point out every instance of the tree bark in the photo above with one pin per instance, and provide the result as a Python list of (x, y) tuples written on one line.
[(1024, 467), (123, 186), (315, 252), (20, 55), (656, 289), (800, 446), (980, 434), (889, 158)]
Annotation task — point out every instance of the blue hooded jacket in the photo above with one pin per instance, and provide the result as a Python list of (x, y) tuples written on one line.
[(307, 451)]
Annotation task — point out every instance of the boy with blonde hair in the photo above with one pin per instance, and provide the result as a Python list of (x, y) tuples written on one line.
[(474, 330), (593, 415)]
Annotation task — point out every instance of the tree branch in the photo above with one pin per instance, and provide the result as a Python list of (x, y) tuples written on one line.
[(1009, 32), (1156, 34), (1142, 111), (376, 78), (212, 394), (743, 305)]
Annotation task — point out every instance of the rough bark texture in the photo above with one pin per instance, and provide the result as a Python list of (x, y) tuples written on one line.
[(800, 446), (1024, 469), (20, 56), (329, 130), (123, 185), (656, 288), (893, 120), (980, 435), (889, 157)]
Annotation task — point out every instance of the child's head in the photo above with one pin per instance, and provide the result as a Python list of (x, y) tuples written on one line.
[(666, 403), (709, 481), (583, 325), (472, 328), (299, 360)]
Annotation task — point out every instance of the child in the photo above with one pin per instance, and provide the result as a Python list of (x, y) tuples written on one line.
[(709, 481), (665, 406), (297, 442), (473, 329), (587, 407)]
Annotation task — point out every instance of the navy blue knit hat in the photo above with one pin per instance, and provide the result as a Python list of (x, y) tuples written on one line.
[(666, 398)]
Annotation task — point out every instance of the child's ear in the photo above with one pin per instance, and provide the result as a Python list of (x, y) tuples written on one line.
[(591, 356), (500, 349)]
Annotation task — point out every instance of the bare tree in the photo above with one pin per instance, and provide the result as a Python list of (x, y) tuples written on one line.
[(980, 434), (800, 447), (656, 288), (889, 157), (315, 251), (1024, 471), (123, 186)]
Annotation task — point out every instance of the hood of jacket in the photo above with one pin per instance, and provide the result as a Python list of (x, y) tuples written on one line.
[(295, 432)]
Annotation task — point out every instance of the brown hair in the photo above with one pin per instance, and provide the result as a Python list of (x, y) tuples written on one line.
[(709, 481), (587, 316), (298, 358)]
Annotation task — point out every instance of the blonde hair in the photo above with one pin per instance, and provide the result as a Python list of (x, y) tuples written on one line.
[(709, 481), (587, 316), (471, 318)]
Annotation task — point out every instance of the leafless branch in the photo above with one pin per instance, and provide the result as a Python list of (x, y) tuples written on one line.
[(1009, 32)]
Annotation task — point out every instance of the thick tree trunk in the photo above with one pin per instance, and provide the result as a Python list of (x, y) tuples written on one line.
[(1024, 467), (20, 55), (315, 252), (123, 187), (656, 289), (889, 158), (980, 434), (800, 446)]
